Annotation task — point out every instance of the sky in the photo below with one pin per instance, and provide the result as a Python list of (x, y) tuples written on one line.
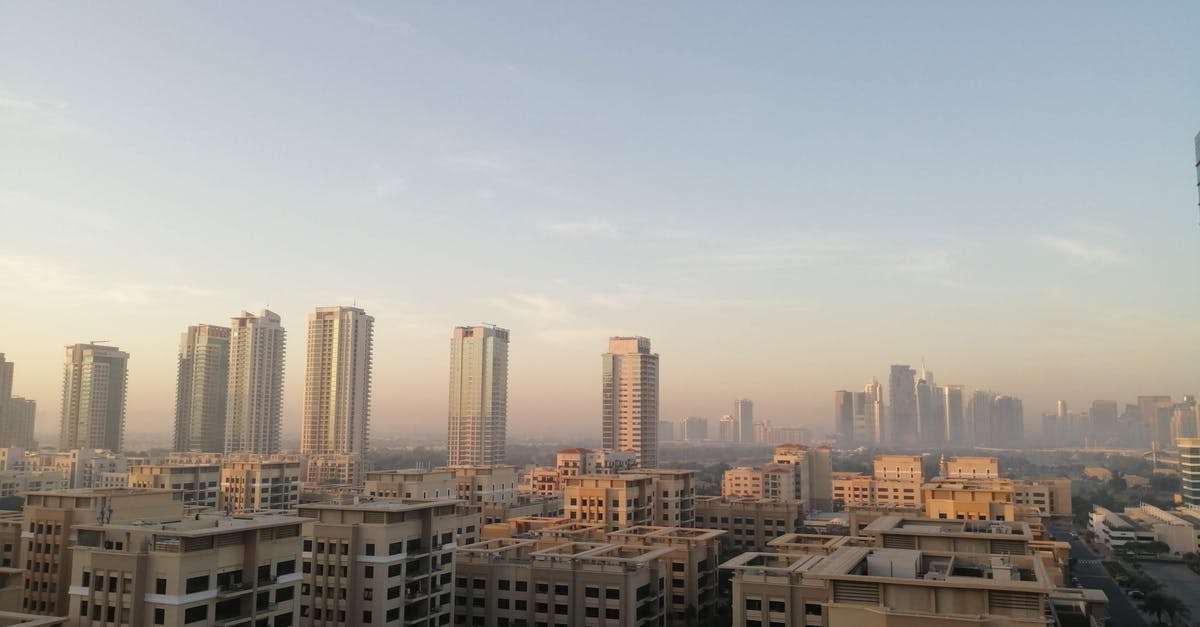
[(786, 198)]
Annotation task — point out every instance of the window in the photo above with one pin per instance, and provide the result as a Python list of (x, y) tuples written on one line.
[(776, 606), (812, 609), (612, 593), (369, 549), (285, 568), (522, 586), (591, 612), (754, 604), (591, 592), (196, 584), (368, 572), (560, 588), (368, 594), (542, 588), (504, 584), (195, 614), (285, 594), (612, 613), (160, 616)]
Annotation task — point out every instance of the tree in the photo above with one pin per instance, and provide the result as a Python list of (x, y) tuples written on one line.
[(1155, 604), (1173, 608)]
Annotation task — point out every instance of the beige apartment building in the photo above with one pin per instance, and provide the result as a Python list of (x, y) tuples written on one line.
[(750, 523), (411, 484), (48, 519), (970, 499), (377, 562), (253, 485), (773, 481), (198, 485), (209, 569), (692, 564), (970, 467), (675, 496), (896, 480), (1050, 496), (337, 395), (629, 420), (614, 502), (478, 416), (510, 582)]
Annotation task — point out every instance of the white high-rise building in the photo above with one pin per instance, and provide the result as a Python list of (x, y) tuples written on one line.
[(202, 389), (630, 399), (743, 417), (478, 414), (93, 399), (337, 390), (254, 403)]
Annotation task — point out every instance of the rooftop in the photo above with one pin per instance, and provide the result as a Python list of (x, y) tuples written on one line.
[(203, 524), (937, 526)]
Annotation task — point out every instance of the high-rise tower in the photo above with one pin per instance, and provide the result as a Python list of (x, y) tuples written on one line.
[(630, 399), (956, 426), (93, 399), (254, 402), (6, 381), (902, 406), (202, 389), (337, 391), (478, 417), (743, 417), (843, 416)]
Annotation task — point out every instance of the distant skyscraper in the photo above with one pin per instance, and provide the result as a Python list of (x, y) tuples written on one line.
[(743, 416), (254, 401), (630, 399), (1103, 416), (17, 429), (695, 428), (93, 399), (902, 426), (478, 424), (1156, 411), (868, 414), (337, 390), (931, 410), (6, 381), (202, 389), (956, 427), (727, 429), (979, 418), (843, 416), (1189, 469), (666, 431), (1008, 422)]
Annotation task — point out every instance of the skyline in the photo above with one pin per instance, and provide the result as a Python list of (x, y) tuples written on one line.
[(785, 204)]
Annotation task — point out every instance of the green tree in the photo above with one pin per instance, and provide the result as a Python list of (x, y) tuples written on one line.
[(1174, 608), (1155, 604)]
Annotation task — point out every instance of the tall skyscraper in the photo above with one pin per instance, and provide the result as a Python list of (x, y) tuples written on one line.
[(17, 429), (478, 425), (93, 399), (843, 416), (871, 410), (727, 429), (979, 418), (1156, 412), (743, 416), (956, 426), (202, 389), (6, 381), (694, 428), (629, 405), (337, 390), (902, 426), (254, 401), (931, 410), (1103, 416), (1008, 422)]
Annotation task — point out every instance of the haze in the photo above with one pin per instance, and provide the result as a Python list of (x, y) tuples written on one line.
[(785, 199)]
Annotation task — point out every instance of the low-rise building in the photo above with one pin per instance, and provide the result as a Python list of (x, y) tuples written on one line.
[(692, 564), (613, 501), (198, 485), (751, 523), (970, 499), (411, 484), (211, 568), (259, 484), (773, 481)]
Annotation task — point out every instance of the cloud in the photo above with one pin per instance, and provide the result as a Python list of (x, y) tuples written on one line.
[(534, 307), (800, 249), (34, 276), (394, 25), (1079, 253), (579, 228), (47, 117), (574, 336)]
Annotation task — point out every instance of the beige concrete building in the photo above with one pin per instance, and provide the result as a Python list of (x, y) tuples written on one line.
[(512, 582), (1051, 496), (896, 481), (202, 388), (209, 569), (198, 485), (256, 484), (17, 426), (382, 561), (970, 499), (337, 390), (254, 403), (773, 481), (330, 471), (750, 523), (629, 403), (955, 536), (478, 415), (613, 501), (815, 544), (692, 563), (970, 468), (411, 484), (48, 519), (93, 398), (485, 484), (675, 496)]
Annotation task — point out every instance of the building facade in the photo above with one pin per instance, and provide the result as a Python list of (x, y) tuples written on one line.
[(478, 423), (337, 392), (93, 399), (202, 389), (629, 399), (254, 401)]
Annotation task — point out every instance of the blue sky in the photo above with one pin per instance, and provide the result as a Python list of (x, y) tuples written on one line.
[(785, 198)]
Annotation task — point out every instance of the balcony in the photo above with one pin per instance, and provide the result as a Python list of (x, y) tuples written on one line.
[(230, 590)]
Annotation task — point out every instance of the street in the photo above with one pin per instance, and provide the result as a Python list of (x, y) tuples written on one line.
[(1091, 574)]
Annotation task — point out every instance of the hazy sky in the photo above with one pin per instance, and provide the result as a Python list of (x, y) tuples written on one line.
[(786, 199)]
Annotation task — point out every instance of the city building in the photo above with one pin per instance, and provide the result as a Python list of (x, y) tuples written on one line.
[(93, 399), (727, 429), (1189, 469), (379, 562), (202, 388), (897, 480), (743, 419), (956, 424), (868, 415), (338, 472), (208, 569), (931, 411), (629, 405), (970, 467), (48, 522), (692, 564), (675, 496), (411, 484), (198, 485), (254, 400), (6, 383), (478, 396), (613, 501), (16, 428), (843, 416), (1156, 412), (970, 499), (772, 481), (902, 428), (750, 523), (337, 393), (693, 429), (666, 431), (249, 485)]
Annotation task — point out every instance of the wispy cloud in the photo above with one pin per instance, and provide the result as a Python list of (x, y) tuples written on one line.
[(579, 228), (1080, 253), (30, 275), (395, 25), (49, 117), (799, 249), (535, 307)]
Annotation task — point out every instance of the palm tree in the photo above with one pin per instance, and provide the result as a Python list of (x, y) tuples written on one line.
[(1155, 604), (1173, 608)]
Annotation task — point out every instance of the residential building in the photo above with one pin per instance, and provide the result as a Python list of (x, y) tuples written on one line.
[(337, 393), (254, 401), (411, 484), (202, 388), (377, 562), (970, 467), (931, 411), (750, 523), (813, 470), (338, 471), (209, 569), (485, 484), (902, 428), (93, 400), (613, 501), (16, 429), (259, 484), (970, 499), (478, 396), (675, 496), (1189, 469), (727, 429), (957, 536), (743, 418), (955, 412), (198, 485), (1156, 412), (6, 383), (48, 534), (514, 582), (1050, 496), (629, 405), (772, 481), (692, 564), (868, 414)]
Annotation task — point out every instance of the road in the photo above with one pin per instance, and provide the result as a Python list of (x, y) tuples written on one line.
[(1091, 574)]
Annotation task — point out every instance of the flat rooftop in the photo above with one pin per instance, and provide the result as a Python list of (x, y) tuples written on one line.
[(379, 504), (938, 526), (204, 524), (937, 568)]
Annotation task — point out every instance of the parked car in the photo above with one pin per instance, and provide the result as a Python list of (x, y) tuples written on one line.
[(1136, 594)]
